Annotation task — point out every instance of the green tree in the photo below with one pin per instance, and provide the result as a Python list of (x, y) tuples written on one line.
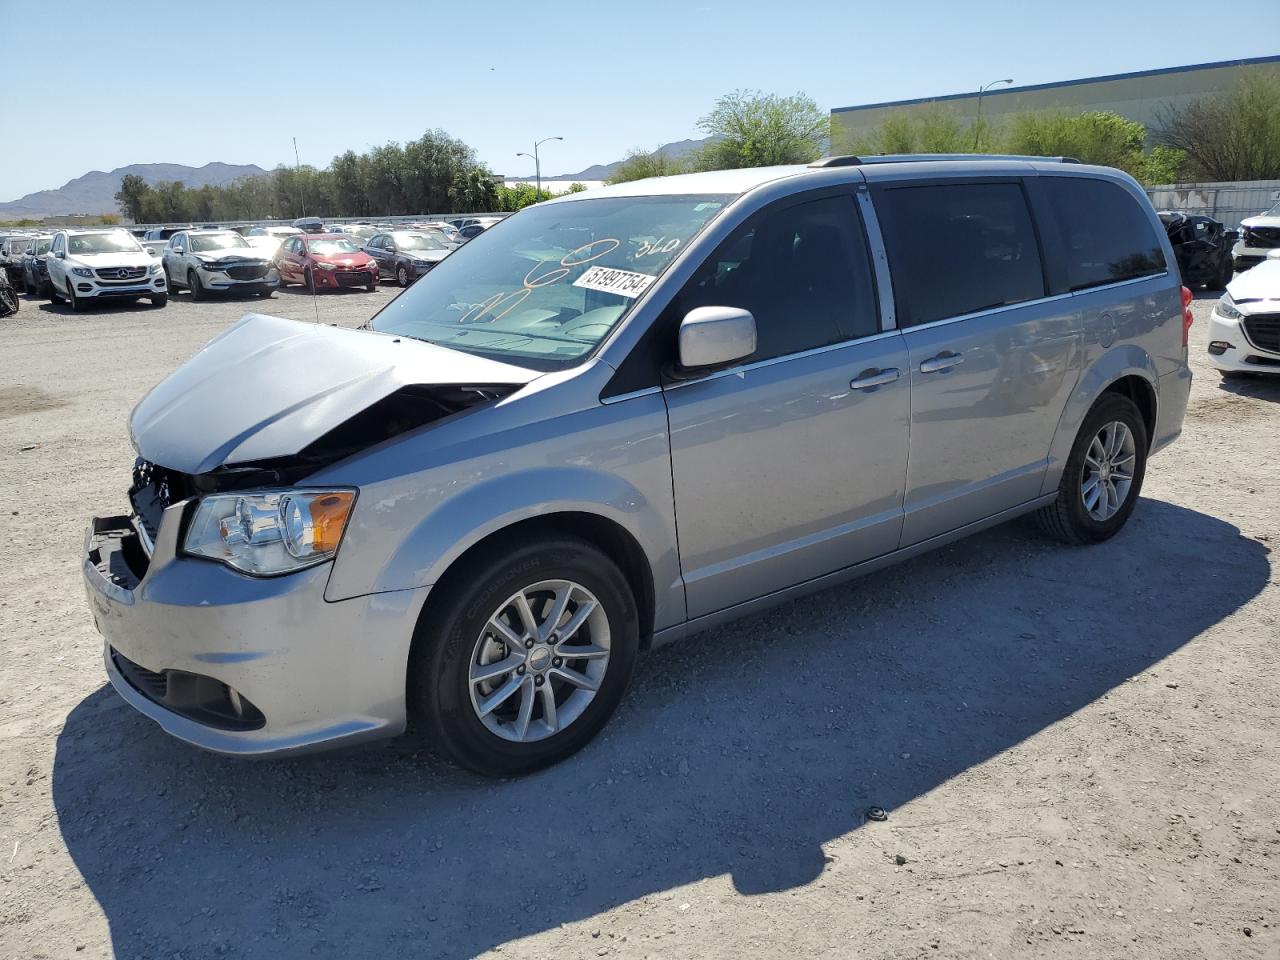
[(753, 129), (641, 164), (519, 196), (474, 191), (927, 130), (1231, 136), (576, 187), (1096, 136), (133, 190)]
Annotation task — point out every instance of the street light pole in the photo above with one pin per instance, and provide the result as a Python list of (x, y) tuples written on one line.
[(977, 126), (537, 164)]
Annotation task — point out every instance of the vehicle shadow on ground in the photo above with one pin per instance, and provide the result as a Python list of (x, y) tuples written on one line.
[(1260, 386), (740, 752)]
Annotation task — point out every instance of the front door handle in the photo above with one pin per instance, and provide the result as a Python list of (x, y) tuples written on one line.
[(874, 377), (943, 361)]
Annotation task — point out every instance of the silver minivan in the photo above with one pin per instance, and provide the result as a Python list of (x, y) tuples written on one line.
[(618, 418)]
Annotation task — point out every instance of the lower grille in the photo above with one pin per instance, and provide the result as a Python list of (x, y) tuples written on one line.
[(252, 271), (353, 279), (191, 695), (1263, 331)]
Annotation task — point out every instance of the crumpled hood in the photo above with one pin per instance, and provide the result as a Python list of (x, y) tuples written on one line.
[(1261, 220), (268, 387), (236, 255), (1260, 284)]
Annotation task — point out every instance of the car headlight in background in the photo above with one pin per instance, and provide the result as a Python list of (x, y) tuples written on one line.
[(82, 271), (1226, 307), (268, 533)]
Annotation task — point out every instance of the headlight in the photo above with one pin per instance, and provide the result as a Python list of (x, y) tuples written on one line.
[(157, 268), (268, 533), (212, 265), (422, 263), (1227, 308), (82, 271), (326, 266)]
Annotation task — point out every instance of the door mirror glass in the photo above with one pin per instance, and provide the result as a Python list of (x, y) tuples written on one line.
[(179, 249), (716, 336)]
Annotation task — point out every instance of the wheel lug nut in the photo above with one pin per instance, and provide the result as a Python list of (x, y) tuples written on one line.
[(537, 681), (528, 643), (556, 661), (520, 669)]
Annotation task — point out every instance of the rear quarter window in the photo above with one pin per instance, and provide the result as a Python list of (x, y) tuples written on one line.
[(1106, 234)]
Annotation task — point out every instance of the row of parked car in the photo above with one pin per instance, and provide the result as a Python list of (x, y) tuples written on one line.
[(89, 265)]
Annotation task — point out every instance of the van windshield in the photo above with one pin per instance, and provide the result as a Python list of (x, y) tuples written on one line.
[(540, 289)]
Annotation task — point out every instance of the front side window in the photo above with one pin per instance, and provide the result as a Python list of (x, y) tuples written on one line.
[(546, 285), (959, 248), (1107, 235), (801, 270)]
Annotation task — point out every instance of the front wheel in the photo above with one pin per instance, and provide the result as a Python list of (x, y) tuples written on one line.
[(526, 657), (1103, 475), (77, 305), (159, 300), (197, 287), (309, 279), (402, 275)]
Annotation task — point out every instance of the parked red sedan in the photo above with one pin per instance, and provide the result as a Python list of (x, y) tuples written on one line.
[(325, 261)]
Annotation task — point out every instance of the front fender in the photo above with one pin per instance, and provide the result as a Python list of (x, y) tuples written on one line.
[(1123, 360)]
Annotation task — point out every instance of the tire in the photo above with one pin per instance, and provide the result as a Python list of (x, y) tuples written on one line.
[(266, 294), (54, 296), (402, 275), (1068, 519), (451, 636), (10, 303), (309, 281), (160, 300), (198, 291), (77, 305)]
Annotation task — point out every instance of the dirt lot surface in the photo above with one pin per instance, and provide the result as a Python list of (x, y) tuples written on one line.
[(1077, 747)]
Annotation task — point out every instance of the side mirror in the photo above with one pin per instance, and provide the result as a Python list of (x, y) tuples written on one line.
[(715, 337), (61, 255), (179, 249), (390, 249)]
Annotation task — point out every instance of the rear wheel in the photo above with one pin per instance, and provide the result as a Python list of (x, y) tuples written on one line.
[(527, 657), (1103, 475)]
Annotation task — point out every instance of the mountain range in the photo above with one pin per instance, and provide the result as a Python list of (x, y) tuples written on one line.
[(602, 171), (95, 191)]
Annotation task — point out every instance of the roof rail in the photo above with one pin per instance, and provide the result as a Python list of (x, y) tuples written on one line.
[(851, 161)]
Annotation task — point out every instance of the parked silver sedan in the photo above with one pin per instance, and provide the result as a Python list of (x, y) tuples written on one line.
[(616, 419)]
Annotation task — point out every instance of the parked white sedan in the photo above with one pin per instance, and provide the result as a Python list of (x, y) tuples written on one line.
[(1244, 328)]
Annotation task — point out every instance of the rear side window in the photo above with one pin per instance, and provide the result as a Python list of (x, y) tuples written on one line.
[(959, 248), (802, 270), (1106, 234)]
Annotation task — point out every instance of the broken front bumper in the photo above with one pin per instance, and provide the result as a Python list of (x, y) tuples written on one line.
[(244, 665)]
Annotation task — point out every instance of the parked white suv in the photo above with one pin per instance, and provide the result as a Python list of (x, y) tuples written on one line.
[(92, 265), (1258, 237)]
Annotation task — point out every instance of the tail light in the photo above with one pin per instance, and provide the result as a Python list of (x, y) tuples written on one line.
[(1187, 316)]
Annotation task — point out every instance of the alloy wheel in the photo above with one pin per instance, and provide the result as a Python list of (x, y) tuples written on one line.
[(539, 661), (1108, 471)]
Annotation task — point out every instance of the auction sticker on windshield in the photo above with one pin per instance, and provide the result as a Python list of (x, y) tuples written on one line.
[(611, 280)]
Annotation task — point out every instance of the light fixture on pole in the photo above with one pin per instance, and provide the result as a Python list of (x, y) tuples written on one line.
[(977, 126), (537, 164)]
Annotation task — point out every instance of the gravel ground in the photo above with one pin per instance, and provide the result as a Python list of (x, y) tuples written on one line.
[(1077, 747)]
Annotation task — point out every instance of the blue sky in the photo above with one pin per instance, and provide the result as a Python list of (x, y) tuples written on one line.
[(182, 82)]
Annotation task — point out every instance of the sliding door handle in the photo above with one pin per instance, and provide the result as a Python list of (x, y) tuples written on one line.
[(875, 377), (943, 361)]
